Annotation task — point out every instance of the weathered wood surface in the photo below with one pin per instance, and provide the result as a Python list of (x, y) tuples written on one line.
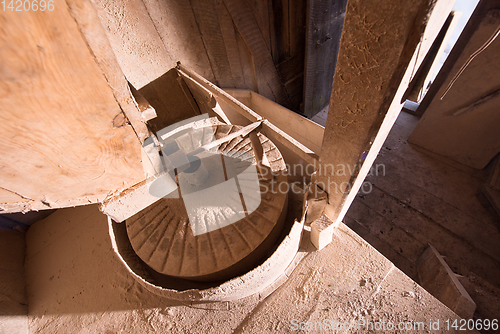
[(437, 278), (85, 15), (232, 44), (325, 20), (64, 138), (135, 40), (300, 128), (377, 51), (13, 299), (171, 99), (463, 125)]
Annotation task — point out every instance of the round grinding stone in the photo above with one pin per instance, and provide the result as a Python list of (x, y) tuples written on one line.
[(163, 237)]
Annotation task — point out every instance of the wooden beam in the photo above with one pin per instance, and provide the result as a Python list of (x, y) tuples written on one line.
[(134, 38), (438, 279), (325, 20), (417, 82), (300, 128), (219, 93), (267, 74), (93, 32), (377, 51)]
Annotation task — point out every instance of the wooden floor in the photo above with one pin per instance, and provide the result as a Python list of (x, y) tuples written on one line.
[(425, 198)]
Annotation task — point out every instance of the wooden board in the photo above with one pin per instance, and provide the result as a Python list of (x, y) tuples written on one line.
[(416, 85), (436, 63), (210, 31), (437, 278), (324, 28), (475, 19), (300, 128), (231, 45), (267, 75), (280, 30), (64, 140), (293, 151), (94, 34), (449, 126)]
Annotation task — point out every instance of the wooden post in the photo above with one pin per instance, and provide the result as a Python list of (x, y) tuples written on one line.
[(377, 50)]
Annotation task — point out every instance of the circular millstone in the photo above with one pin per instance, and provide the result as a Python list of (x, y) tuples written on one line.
[(163, 237)]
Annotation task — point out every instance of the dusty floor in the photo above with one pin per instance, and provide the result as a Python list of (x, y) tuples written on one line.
[(425, 198), (76, 284)]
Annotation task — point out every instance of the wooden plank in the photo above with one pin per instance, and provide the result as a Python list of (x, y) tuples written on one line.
[(269, 129), (267, 74), (209, 105), (247, 64), (457, 219), (469, 136), (359, 120), (277, 135), (13, 296), (385, 230), (297, 20), (219, 94), (385, 247), (90, 26), (261, 11), (324, 27), (207, 21), (231, 44), (176, 25), (437, 278), (295, 90), (280, 37), (416, 84), (291, 68), (437, 61), (300, 128), (414, 169), (476, 18), (439, 14), (59, 141)]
